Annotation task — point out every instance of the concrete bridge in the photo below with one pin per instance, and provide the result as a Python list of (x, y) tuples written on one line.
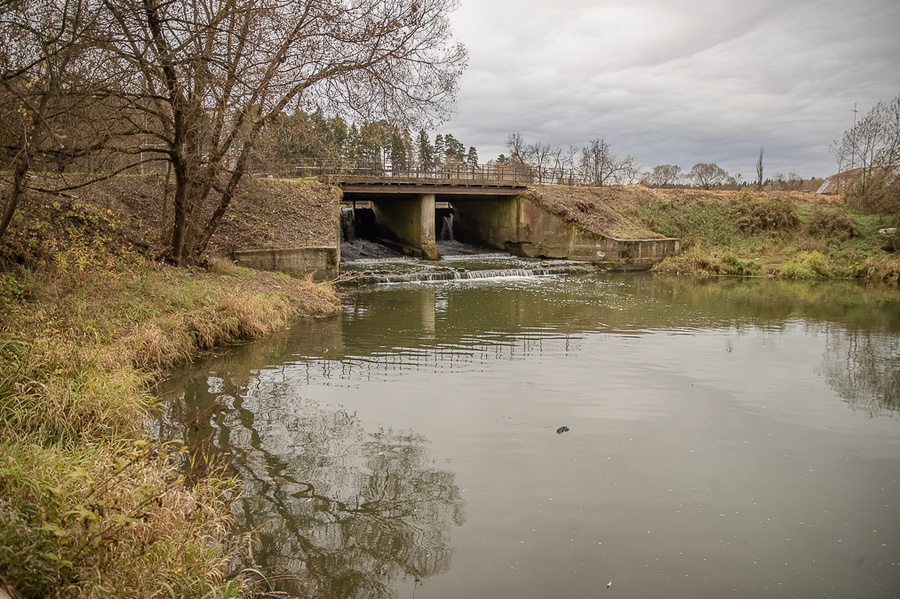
[(409, 209), (492, 208)]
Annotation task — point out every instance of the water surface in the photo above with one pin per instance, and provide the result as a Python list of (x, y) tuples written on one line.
[(725, 439)]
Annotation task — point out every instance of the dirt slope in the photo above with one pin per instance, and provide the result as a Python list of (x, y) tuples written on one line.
[(133, 215)]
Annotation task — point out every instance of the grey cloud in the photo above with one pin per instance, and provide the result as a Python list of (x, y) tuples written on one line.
[(676, 81)]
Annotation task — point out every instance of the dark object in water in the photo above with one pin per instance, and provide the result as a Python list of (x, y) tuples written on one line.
[(562, 429)]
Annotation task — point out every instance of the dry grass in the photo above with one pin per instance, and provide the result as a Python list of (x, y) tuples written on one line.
[(88, 506), (113, 521)]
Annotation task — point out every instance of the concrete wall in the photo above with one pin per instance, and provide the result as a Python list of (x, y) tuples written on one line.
[(410, 221), (524, 228), (321, 262), (492, 222)]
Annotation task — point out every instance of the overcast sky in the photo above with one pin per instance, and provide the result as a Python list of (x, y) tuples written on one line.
[(676, 81)]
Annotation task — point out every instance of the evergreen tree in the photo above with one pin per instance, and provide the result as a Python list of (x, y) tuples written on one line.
[(426, 151), (439, 149), (454, 150), (472, 156), (399, 149)]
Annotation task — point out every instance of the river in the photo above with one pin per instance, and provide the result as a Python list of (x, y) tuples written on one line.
[(566, 436)]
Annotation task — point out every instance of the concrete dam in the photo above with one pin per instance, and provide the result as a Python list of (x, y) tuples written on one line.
[(409, 215)]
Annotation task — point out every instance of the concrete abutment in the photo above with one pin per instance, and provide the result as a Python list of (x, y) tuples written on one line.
[(410, 221), (523, 227)]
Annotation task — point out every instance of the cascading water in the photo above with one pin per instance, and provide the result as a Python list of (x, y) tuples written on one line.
[(457, 268), (447, 228), (348, 224), (367, 261)]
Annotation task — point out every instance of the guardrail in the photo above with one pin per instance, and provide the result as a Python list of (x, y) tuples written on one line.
[(496, 174)]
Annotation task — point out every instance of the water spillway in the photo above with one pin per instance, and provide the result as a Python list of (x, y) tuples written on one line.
[(459, 262), (515, 222), (450, 274)]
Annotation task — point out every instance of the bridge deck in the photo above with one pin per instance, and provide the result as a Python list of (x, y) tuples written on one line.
[(393, 186)]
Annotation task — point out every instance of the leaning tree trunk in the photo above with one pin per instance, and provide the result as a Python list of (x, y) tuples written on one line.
[(224, 201)]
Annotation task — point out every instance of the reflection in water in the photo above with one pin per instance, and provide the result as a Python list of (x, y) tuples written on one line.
[(864, 368), (691, 405), (336, 512)]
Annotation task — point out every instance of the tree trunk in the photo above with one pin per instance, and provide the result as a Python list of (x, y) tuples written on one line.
[(224, 201), (180, 219), (20, 173)]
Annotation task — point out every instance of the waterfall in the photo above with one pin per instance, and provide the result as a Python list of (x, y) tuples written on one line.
[(348, 224), (447, 228)]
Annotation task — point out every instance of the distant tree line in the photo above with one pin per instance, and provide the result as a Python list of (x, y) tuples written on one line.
[(596, 164), (302, 142)]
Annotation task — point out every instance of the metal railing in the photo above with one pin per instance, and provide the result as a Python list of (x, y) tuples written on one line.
[(473, 174)]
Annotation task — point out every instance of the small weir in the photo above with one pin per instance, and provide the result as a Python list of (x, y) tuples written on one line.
[(453, 274), (461, 262), (369, 259)]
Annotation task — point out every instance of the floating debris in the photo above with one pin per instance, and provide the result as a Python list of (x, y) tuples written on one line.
[(562, 429)]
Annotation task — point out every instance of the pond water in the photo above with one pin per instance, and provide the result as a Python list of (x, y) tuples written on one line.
[(725, 438)]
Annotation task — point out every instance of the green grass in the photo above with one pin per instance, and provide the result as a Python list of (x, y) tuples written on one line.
[(776, 236)]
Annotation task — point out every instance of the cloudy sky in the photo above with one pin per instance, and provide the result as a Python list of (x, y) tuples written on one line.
[(676, 81)]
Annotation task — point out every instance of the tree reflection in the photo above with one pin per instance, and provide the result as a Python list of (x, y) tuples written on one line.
[(335, 511), (863, 367)]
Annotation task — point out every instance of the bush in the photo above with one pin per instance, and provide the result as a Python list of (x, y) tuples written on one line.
[(882, 268), (808, 266), (831, 223), (733, 266), (758, 216), (698, 262)]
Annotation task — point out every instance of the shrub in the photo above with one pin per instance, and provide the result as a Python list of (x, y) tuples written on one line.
[(882, 268), (831, 223), (698, 262), (758, 216), (806, 266), (733, 266)]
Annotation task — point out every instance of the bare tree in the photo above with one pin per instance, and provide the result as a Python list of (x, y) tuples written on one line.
[(789, 182), (540, 158), (664, 175), (707, 175), (629, 171), (50, 111), (208, 76), (599, 165), (873, 145), (759, 170), (518, 160), (518, 147)]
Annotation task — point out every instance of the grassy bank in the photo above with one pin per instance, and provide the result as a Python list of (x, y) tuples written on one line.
[(729, 233), (777, 235), (90, 505)]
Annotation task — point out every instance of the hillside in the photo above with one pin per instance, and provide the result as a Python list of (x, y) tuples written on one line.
[(131, 215), (621, 211), (776, 234)]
